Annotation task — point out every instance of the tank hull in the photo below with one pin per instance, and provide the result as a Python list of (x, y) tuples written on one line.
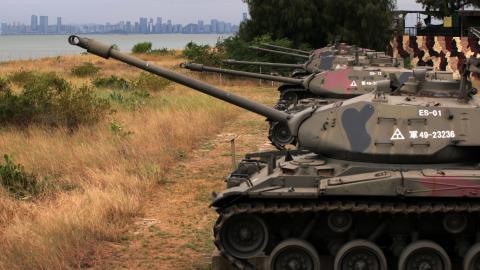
[(389, 205)]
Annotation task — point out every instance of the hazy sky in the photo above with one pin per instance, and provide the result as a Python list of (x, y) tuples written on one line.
[(101, 11)]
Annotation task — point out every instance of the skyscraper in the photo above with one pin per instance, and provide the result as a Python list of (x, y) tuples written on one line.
[(151, 26), (143, 25), (214, 26), (59, 25), (34, 23), (245, 16), (43, 24), (200, 26), (158, 26), (169, 26)]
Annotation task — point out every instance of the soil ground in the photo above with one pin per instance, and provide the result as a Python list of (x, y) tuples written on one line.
[(175, 231)]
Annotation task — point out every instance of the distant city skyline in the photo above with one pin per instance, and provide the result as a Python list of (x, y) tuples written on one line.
[(177, 11), (40, 25), (103, 11)]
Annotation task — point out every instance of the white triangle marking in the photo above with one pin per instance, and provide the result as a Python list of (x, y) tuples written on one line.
[(353, 84), (397, 135)]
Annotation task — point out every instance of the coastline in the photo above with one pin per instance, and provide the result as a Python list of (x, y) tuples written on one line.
[(30, 47)]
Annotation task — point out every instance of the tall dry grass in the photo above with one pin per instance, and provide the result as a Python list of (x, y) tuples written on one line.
[(100, 176)]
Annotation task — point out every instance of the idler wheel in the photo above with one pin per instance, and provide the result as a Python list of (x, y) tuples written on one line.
[(339, 222), (290, 97), (455, 222), (360, 255), (280, 134), (472, 258), (294, 254), (424, 255), (244, 236)]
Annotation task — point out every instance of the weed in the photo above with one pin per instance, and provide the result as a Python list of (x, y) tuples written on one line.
[(163, 52), (150, 82), (21, 77), (4, 85), (19, 183), (117, 129), (130, 100), (85, 70), (112, 82)]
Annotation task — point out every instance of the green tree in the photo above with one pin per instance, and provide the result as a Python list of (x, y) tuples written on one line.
[(447, 7), (317, 22)]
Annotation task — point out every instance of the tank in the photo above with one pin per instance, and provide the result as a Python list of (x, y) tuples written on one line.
[(380, 181), (337, 84), (327, 58)]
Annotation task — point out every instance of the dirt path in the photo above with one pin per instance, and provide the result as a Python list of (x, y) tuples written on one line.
[(175, 231)]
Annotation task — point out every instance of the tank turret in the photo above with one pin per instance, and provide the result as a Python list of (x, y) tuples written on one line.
[(328, 58), (385, 180), (338, 84)]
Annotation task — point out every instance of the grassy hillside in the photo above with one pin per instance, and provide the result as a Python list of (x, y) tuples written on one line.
[(95, 177)]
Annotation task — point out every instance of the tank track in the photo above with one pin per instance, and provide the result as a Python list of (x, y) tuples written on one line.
[(301, 207)]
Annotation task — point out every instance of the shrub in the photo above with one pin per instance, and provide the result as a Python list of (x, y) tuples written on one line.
[(85, 70), (112, 82), (49, 99), (4, 85), (203, 54), (80, 106), (21, 77), (19, 183), (151, 82), (144, 47)]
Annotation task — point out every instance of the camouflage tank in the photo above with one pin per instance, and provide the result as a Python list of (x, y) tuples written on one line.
[(327, 58), (380, 181), (335, 84)]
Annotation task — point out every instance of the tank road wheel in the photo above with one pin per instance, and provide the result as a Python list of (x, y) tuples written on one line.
[(290, 97), (244, 236), (424, 255), (472, 258), (294, 254), (360, 255), (455, 223), (339, 222)]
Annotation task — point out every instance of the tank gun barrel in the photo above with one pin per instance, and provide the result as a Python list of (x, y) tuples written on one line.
[(280, 52), (202, 68), (107, 51), (266, 64), (285, 48)]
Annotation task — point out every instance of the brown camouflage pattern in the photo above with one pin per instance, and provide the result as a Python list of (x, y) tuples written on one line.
[(444, 53)]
